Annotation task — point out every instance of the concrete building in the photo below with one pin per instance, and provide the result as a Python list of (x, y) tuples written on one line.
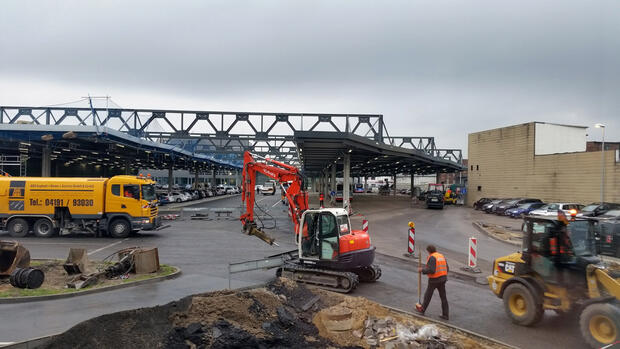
[(540, 160)]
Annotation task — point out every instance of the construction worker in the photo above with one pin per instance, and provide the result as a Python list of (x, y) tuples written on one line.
[(437, 270)]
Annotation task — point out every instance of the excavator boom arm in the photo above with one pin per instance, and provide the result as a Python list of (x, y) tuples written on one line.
[(278, 171)]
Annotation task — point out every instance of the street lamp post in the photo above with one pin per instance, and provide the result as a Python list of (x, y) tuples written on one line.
[(602, 127)]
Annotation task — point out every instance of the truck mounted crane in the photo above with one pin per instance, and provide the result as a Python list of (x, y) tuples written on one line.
[(329, 253)]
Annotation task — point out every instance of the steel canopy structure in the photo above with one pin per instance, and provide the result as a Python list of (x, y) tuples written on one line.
[(100, 146), (319, 150), (312, 141)]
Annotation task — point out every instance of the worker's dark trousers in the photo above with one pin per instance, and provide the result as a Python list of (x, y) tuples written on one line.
[(441, 287)]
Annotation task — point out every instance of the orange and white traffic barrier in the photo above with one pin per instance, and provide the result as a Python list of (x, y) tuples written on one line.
[(472, 259), (411, 238), (365, 226)]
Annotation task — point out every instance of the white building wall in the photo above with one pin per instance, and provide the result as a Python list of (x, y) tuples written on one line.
[(555, 139)]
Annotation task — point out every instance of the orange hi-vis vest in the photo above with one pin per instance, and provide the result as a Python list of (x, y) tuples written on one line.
[(441, 267)]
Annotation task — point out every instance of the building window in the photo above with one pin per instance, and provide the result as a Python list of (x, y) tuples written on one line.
[(472, 167), (479, 188), (477, 168)]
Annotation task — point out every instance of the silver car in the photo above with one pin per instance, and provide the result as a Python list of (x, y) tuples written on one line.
[(552, 209)]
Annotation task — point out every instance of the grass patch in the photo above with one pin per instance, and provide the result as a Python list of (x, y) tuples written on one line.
[(39, 262), (164, 270), (19, 292)]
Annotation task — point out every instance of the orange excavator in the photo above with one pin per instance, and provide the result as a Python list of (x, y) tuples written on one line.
[(329, 253)]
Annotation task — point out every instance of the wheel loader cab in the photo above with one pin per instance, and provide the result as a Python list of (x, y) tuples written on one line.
[(558, 253)]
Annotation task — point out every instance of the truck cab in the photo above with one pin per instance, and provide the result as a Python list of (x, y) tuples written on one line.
[(130, 205)]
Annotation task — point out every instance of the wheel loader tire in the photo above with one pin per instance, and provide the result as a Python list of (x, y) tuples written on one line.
[(18, 227), (521, 306), (600, 324)]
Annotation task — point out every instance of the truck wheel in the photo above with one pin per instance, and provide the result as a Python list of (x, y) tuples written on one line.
[(520, 305), (43, 228), (18, 227), (600, 324), (119, 228), (178, 200)]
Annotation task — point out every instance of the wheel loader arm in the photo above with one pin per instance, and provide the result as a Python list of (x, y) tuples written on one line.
[(596, 276)]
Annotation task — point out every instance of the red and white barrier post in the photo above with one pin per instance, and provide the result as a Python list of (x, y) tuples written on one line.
[(411, 239), (472, 259), (365, 226)]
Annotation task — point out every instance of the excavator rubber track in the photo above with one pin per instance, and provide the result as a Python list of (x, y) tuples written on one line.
[(370, 273), (337, 281)]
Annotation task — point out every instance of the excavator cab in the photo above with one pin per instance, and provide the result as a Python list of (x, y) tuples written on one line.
[(320, 235)]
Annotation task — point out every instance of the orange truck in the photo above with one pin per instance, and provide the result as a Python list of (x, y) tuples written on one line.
[(48, 206)]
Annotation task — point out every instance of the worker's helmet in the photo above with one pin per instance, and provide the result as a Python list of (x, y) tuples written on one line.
[(411, 225)]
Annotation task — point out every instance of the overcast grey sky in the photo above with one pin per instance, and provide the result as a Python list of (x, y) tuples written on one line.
[(432, 68)]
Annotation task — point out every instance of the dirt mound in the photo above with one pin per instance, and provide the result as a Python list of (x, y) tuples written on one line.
[(140, 328), (284, 314)]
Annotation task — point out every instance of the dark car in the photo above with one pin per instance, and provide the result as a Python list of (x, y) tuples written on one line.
[(597, 209), (481, 202), (434, 198), (163, 199), (608, 233), (488, 208), (501, 208), (523, 209)]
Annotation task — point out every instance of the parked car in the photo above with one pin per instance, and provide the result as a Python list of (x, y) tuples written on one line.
[(481, 202), (269, 188), (220, 190), (358, 188), (501, 208), (175, 197), (488, 208), (523, 209), (229, 189), (596, 209), (608, 233), (163, 199), (552, 209), (503, 202)]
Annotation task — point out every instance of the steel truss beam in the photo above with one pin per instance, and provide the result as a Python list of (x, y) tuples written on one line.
[(220, 132)]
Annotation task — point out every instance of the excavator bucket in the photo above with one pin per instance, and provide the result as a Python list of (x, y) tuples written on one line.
[(252, 229), (12, 255)]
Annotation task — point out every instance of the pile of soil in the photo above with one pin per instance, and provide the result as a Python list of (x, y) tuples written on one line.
[(284, 314)]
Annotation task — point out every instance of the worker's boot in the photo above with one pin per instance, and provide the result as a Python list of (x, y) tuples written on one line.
[(445, 317)]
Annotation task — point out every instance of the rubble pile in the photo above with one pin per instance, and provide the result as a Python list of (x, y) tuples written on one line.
[(392, 335), (357, 321), (284, 314)]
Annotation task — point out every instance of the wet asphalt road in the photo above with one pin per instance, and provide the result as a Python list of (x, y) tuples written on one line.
[(203, 250)]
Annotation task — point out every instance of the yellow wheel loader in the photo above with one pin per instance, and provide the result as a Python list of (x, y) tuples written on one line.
[(559, 269)]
